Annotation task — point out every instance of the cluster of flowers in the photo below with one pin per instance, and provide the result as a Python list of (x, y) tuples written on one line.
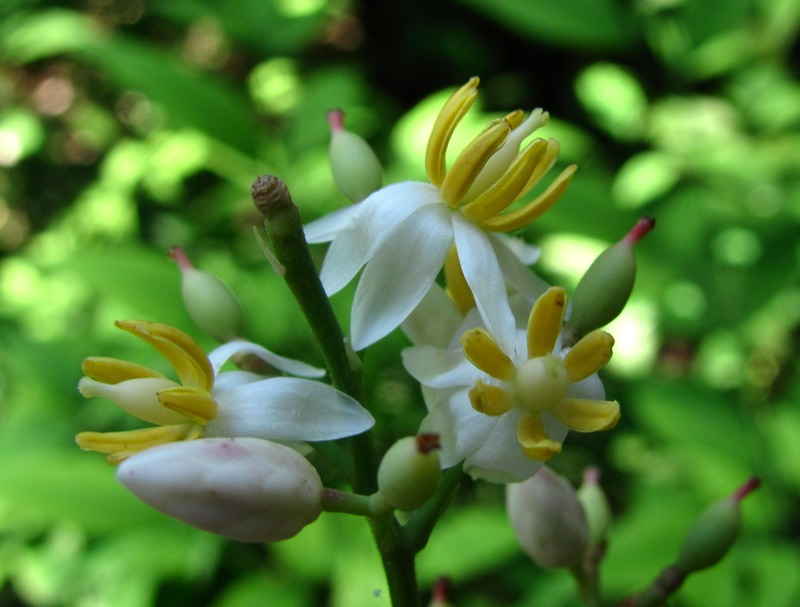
[(504, 378)]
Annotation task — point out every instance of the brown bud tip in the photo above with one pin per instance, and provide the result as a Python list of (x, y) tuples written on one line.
[(336, 119), (270, 195), (640, 230), (751, 485), (427, 442), (177, 253)]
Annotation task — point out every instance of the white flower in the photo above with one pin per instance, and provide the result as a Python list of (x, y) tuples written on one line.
[(402, 234), (503, 412), (245, 489), (213, 403)]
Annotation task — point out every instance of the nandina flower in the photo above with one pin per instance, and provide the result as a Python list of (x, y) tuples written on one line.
[(207, 402), (403, 233), (505, 412)]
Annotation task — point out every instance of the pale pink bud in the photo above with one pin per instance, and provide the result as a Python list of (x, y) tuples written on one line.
[(245, 489), (548, 519)]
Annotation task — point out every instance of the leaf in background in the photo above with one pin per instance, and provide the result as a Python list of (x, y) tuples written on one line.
[(574, 24), (188, 98)]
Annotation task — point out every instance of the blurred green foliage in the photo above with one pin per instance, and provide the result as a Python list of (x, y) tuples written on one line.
[(126, 127)]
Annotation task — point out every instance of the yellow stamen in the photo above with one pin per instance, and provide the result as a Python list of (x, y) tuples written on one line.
[(546, 162), (589, 355), (584, 415), (113, 371), (483, 352), (544, 322), (506, 189), (471, 160), (521, 217), (532, 438), (449, 117), (457, 285), (194, 403), (119, 445), (183, 353), (491, 400)]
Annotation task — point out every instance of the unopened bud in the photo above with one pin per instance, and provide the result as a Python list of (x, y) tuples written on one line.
[(356, 169), (210, 303), (606, 286), (548, 519), (409, 472), (595, 505), (245, 489), (714, 532)]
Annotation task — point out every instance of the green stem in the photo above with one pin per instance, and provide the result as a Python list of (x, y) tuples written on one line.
[(398, 562), (372, 506), (417, 531), (285, 230)]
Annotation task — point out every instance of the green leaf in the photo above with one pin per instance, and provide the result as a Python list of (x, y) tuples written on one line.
[(573, 24)]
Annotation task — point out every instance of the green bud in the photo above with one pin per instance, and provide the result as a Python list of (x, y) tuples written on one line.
[(714, 532), (606, 286), (356, 169), (595, 505), (548, 519), (208, 300), (409, 472)]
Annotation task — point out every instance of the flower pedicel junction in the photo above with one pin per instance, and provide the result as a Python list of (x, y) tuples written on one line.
[(506, 369)]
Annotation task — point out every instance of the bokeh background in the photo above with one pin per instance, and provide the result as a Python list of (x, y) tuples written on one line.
[(129, 126)]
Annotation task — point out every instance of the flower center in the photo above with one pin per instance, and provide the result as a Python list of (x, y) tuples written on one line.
[(542, 382)]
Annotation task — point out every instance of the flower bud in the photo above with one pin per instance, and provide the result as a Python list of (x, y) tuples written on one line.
[(595, 505), (209, 301), (606, 286), (245, 489), (409, 472), (356, 169), (548, 519), (714, 532)]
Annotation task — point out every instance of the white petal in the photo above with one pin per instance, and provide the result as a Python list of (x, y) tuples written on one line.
[(439, 368), (528, 254), (485, 279), (434, 321), (401, 272), (219, 356), (461, 429), (377, 218), (500, 458), (326, 227), (524, 280), (284, 408), (590, 387)]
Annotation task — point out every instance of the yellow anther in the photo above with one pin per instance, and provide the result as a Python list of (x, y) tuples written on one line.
[(535, 208), (546, 162), (510, 186), (483, 352), (544, 322), (514, 118), (113, 370), (491, 400), (457, 286), (471, 160), (534, 441), (194, 403), (583, 415), (589, 355), (183, 353), (451, 114), (119, 445)]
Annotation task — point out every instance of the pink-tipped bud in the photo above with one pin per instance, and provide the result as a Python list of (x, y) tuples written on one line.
[(245, 489), (548, 519), (356, 169), (409, 472), (606, 286), (210, 303), (714, 532)]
